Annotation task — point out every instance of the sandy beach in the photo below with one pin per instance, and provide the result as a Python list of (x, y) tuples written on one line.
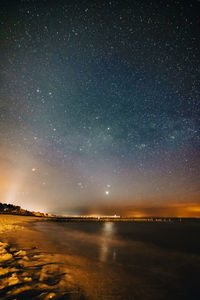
[(27, 269), (33, 267)]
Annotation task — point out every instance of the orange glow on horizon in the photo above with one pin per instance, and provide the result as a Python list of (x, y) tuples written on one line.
[(20, 185)]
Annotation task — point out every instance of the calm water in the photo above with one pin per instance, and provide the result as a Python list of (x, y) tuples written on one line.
[(130, 260)]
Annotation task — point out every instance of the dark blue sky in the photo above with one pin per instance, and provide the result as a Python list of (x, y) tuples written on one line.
[(99, 104)]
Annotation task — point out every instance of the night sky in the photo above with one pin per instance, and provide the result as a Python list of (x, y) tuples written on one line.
[(100, 106)]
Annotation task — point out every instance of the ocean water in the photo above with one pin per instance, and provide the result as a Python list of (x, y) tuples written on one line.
[(116, 260)]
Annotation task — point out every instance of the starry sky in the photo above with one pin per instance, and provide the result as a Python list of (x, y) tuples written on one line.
[(99, 106)]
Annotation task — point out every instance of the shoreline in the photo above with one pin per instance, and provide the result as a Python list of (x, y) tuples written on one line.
[(30, 268), (33, 265)]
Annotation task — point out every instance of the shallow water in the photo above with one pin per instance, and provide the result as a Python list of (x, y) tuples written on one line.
[(130, 260)]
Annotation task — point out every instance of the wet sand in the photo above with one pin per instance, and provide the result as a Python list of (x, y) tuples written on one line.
[(29, 267)]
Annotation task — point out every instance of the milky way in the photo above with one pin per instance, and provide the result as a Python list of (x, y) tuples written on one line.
[(99, 105)]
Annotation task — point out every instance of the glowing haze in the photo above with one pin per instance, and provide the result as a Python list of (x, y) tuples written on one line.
[(100, 108)]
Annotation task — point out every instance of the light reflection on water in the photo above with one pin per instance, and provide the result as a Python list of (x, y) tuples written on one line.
[(108, 231)]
